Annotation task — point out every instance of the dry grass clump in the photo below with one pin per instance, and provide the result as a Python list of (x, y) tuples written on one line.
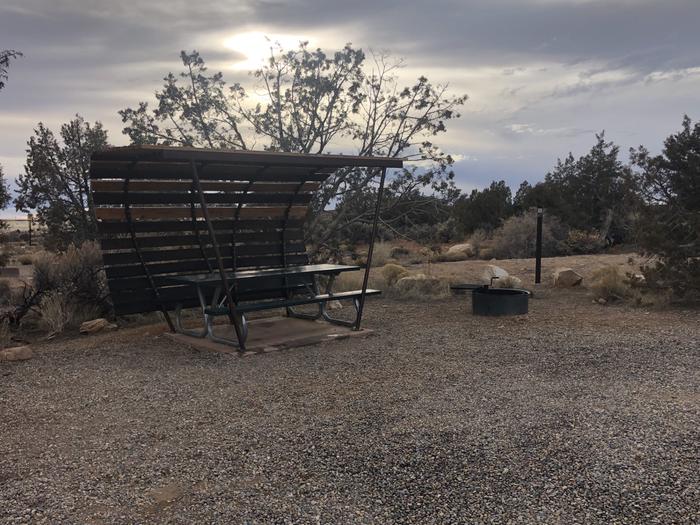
[(348, 281), (419, 287), (381, 254), (57, 312), (610, 284), (393, 272)]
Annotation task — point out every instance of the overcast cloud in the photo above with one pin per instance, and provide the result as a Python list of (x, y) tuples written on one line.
[(543, 76)]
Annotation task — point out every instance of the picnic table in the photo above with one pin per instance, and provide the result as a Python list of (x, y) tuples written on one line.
[(219, 230)]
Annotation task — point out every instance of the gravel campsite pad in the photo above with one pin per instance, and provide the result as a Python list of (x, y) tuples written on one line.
[(576, 413)]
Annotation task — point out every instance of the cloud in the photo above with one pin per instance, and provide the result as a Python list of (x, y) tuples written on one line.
[(542, 75)]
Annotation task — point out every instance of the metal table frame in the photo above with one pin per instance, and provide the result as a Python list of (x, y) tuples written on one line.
[(211, 281)]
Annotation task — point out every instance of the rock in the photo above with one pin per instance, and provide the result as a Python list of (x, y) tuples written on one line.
[(96, 325), (601, 300), (18, 353), (566, 278), (637, 279), (459, 252), (420, 284), (334, 305), (510, 281), (493, 272)]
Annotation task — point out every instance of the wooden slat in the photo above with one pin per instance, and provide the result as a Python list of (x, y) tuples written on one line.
[(125, 243), (274, 212), (261, 225), (142, 300), (262, 283), (101, 198), (262, 158), (180, 185), (198, 265), (149, 256), (161, 170)]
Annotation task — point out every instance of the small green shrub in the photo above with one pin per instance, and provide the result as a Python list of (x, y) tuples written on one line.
[(25, 260), (5, 256)]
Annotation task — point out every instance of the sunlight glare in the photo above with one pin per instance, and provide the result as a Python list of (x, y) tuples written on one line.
[(255, 46)]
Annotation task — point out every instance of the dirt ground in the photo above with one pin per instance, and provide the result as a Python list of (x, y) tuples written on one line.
[(575, 413)]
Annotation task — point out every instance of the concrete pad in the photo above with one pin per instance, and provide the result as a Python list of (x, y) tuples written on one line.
[(270, 334)]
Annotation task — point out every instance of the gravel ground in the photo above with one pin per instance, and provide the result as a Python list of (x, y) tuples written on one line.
[(574, 414)]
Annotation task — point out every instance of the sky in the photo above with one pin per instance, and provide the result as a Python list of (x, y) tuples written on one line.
[(543, 76)]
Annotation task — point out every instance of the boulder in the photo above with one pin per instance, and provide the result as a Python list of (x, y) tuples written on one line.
[(510, 281), (566, 278), (420, 284), (334, 305), (18, 353), (96, 325), (493, 272), (459, 252)]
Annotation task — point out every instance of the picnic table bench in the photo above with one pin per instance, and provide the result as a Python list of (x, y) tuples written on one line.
[(217, 229)]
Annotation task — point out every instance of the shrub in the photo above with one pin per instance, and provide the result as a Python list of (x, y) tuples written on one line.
[(610, 283), (76, 273), (479, 240), (4, 257), (25, 260), (582, 242), (393, 272), (516, 239)]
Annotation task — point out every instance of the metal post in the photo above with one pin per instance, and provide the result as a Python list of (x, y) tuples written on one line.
[(29, 218), (538, 247), (217, 254), (371, 250)]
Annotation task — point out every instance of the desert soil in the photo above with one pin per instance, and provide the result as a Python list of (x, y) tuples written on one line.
[(575, 413)]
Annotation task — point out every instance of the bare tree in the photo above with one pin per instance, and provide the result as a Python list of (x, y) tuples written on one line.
[(311, 102), (5, 56)]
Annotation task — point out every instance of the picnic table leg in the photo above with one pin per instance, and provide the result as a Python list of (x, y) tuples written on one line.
[(178, 318), (334, 320), (240, 326), (291, 312)]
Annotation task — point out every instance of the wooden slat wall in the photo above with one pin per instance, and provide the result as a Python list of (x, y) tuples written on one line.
[(159, 197)]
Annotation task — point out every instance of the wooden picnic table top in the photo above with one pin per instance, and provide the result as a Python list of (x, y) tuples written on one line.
[(210, 278)]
